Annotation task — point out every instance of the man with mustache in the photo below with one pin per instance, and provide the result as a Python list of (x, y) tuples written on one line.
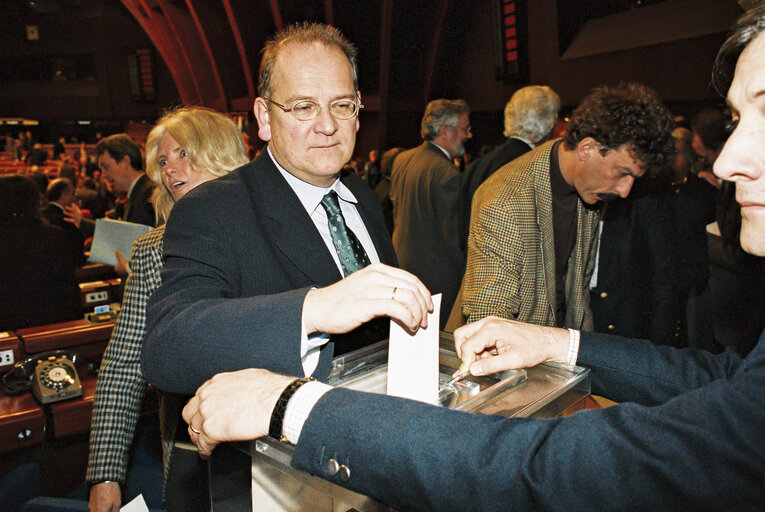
[(533, 224)]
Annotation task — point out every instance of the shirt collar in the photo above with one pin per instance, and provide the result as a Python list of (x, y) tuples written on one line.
[(132, 185), (442, 149), (527, 141), (311, 195)]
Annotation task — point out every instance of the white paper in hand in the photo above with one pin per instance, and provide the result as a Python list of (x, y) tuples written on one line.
[(413, 360), (114, 235), (137, 505)]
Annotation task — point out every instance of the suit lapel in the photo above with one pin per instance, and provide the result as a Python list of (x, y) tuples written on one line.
[(540, 166), (286, 223)]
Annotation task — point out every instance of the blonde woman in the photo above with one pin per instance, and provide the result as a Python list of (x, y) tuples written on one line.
[(186, 148)]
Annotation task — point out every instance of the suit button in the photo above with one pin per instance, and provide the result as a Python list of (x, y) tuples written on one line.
[(332, 467), (603, 295), (611, 327), (344, 474)]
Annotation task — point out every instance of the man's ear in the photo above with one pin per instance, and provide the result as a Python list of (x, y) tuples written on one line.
[(358, 100), (126, 162), (263, 118), (587, 148)]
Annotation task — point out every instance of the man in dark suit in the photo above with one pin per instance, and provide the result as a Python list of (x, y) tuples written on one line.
[(121, 163), (60, 195), (427, 201), (688, 438), (252, 273)]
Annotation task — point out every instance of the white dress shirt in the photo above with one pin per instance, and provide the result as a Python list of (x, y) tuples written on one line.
[(310, 197)]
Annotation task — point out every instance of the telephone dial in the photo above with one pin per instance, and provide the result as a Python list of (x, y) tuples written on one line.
[(52, 376)]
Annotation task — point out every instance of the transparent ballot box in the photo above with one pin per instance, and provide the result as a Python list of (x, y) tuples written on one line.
[(545, 391)]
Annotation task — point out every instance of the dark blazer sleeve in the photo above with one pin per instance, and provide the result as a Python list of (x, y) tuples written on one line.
[(206, 317), (700, 450)]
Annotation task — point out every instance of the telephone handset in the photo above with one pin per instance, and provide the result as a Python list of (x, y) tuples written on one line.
[(52, 376)]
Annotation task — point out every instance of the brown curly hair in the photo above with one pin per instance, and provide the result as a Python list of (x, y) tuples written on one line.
[(629, 115)]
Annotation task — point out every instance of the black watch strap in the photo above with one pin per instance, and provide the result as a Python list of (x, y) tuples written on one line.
[(277, 416)]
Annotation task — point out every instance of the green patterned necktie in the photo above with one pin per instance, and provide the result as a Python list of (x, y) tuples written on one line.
[(352, 255)]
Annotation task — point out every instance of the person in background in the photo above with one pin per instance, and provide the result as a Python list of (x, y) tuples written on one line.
[(382, 190), (533, 223), (530, 115), (372, 174), (121, 163), (60, 195), (427, 201), (186, 148), (37, 279), (689, 436)]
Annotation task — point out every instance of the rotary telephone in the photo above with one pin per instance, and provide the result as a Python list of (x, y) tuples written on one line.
[(52, 376)]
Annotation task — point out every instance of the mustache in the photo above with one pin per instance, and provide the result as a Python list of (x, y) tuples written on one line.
[(608, 196)]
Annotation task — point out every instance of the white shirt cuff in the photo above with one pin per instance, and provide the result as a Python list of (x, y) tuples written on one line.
[(300, 406), (573, 346)]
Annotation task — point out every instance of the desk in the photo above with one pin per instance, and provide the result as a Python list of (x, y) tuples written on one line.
[(22, 419)]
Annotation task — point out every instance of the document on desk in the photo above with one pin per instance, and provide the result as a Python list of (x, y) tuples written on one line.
[(413, 360)]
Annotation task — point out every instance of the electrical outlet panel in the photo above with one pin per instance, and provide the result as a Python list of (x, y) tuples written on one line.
[(6, 357), (92, 297)]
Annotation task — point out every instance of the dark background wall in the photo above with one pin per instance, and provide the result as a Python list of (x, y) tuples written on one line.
[(101, 36), (409, 53)]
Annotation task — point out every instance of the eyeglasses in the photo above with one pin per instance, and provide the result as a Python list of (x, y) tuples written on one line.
[(305, 110), (468, 129)]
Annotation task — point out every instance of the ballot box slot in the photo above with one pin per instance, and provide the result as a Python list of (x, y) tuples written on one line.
[(542, 391)]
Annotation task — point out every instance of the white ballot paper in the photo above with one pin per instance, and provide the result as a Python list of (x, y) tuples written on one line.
[(114, 235), (413, 360), (137, 505)]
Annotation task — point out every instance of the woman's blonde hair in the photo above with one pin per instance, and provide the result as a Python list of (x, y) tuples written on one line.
[(211, 140)]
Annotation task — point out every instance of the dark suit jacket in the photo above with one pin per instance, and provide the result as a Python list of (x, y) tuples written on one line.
[(638, 290), (55, 216), (427, 204), (240, 254), (689, 438), (138, 208), (37, 281)]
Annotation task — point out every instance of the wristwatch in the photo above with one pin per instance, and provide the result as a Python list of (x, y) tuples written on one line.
[(277, 415)]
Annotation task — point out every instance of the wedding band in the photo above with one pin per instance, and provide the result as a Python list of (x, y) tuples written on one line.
[(194, 430), (393, 295)]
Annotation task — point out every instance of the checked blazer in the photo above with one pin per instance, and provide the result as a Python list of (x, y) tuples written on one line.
[(511, 252), (121, 387)]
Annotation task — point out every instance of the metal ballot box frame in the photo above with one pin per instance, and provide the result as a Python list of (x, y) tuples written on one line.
[(543, 391)]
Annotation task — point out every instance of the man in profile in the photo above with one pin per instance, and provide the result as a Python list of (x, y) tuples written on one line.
[(689, 438), (121, 164), (427, 201), (533, 223)]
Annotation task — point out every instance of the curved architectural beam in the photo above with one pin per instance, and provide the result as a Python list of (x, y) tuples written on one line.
[(167, 50), (440, 16), (175, 25), (278, 23), (222, 103), (240, 48)]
